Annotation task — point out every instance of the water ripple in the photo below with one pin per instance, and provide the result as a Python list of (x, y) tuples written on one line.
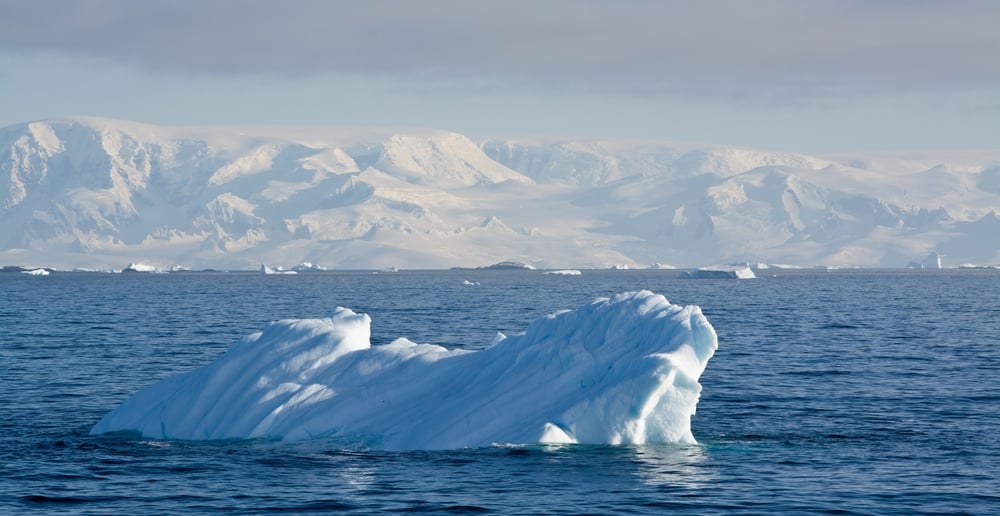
[(831, 393)]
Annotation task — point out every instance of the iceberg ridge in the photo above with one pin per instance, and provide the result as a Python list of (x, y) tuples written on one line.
[(622, 370)]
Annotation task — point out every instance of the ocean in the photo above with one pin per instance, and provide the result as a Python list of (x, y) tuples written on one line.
[(844, 391)]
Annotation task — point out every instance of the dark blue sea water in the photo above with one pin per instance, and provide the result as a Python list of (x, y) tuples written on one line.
[(852, 392)]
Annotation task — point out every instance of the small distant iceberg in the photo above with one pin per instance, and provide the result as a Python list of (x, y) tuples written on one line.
[(565, 272), (141, 267), (264, 269), (974, 266), (36, 272), (931, 261), (722, 272), (308, 267), (470, 283), (621, 370)]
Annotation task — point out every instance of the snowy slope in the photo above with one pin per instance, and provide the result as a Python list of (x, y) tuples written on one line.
[(99, 193)]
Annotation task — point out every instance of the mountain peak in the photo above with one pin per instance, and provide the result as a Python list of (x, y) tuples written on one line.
[(451, 157)]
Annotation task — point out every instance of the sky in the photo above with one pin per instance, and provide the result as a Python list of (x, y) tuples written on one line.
[(818, 76)]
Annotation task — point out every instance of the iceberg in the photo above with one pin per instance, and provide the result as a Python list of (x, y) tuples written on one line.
[(931, 261), (141, 267), (722, 272), (264, 269), (621, 370), (565, 272), (308, 267)]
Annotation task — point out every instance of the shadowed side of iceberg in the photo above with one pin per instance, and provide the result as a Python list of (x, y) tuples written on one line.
[(616, 371)]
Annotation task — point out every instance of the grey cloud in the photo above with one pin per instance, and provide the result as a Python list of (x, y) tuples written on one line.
[(630, 46)]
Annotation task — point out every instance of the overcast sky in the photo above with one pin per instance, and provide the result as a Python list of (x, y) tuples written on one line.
[(814, 76)]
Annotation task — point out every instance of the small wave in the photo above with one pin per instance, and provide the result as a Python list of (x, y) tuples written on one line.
[(70, 500), (315, 506), (840, 326)]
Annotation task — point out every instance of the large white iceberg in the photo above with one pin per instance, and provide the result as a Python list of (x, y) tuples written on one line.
[(617, 371)]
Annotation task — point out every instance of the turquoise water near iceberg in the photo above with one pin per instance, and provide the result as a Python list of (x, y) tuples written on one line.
[(867, 392)]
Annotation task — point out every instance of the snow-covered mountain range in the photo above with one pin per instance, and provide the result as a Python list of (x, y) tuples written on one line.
[(100, 193)]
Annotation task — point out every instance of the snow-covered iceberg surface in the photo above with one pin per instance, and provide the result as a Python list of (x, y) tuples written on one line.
[(621, 370)]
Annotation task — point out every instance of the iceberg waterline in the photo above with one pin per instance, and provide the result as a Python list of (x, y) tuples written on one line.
[(621, 370)]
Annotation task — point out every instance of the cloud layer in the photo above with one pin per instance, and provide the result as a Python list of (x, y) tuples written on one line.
[(767, 48)]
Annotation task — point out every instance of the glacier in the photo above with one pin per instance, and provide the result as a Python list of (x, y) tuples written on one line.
[(95, 193), (620, 370)]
